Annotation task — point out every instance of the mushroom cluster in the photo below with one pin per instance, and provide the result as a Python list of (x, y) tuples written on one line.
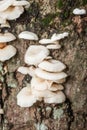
[(11, 10), (47, 74), (6, 51)]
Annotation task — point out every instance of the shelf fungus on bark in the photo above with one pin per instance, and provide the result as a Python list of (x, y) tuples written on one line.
[(6, 51), (47, 77)]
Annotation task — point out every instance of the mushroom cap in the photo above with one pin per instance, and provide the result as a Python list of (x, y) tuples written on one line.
[(58, 98), (55, 87), (49, 76), (78, 11), (4, 4), (11, 13), (56, 37), (21, 3), (39, 84), (6, 37), (28, 35), (27, 70), (60, 81), (45, 41), (25, 97), (36, 54), (44, 93), (53, 46), (7, 52), (52, 65)]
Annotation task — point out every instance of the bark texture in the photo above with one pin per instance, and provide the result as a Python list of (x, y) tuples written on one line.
[(45, 17)]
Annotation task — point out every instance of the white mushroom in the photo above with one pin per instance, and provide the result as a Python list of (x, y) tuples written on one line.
[(36, 54), (7, 52), (50, 76), (28, 35), (25, 97), (78, 11), (58, 98), (40, 84), (56, 37), (27, 70), (44, 93), (6, 37), (20, 3), (11, 13), (52, 65), (4, 4), (53, 46), (45, 41), (1, 111)]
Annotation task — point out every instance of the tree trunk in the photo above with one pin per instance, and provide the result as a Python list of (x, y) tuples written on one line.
[(45, 17)]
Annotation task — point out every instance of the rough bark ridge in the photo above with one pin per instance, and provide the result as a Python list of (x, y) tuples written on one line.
[(45, 17)]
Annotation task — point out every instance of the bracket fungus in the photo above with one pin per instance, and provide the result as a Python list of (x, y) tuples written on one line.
[(47, 77)]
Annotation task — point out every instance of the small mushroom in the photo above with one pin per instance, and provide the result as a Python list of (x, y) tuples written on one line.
[(25, 98), (36, 54), (11, 13), (6, 37), (52, 65), (58, 98), (78, 11), (27, 70), (50, 76), (28, 35), (53, 46), (1, 111), (56, 37), (45, 41), (7, 52)]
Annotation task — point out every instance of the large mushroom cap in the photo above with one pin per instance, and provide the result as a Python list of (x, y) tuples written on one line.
[(28, 35), (25, 97), (35, 54), (52, 65), (11, 13), (58, 98), (4, 4), (49, 76), (6, 37), (7, 52)]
